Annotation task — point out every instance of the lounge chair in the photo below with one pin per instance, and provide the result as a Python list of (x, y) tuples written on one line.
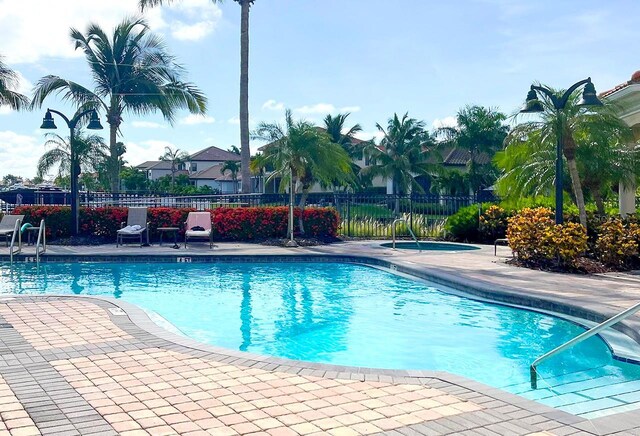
[(198, 226), (7, 226), (137, 226)]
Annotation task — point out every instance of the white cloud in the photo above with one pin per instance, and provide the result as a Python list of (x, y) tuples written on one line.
[(193, 119), (19, 154), (365, 136), (233, 120), (148, 125), (325, 108), (320, 108), (350, 109), (28, 36), (146, 150), (273, 105), (449, 121)]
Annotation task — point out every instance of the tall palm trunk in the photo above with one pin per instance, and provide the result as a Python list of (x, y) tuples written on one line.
[(114, 181), (245, 152), (570, 154)]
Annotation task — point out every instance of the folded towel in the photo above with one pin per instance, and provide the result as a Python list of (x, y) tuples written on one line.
[(131, 229)]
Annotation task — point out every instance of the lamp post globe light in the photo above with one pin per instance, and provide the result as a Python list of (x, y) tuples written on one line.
[(534, 105), (94, 124)]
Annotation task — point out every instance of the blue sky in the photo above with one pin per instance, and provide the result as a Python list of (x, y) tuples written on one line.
[(370, 57)]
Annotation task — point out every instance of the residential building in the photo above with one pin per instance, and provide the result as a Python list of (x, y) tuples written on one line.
[(203, 168)]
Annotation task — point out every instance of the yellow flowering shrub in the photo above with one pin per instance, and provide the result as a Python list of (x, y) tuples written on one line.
[(535, 238), (493, 223), (617, 242)]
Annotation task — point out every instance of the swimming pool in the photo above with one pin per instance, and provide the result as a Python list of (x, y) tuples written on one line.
[(346, 314)]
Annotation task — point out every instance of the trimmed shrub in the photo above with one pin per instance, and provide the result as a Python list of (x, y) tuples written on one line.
[(536, 239), (256, 223), (57, 218), (493, 224), (463, 225), (234, 224), (617, 243)]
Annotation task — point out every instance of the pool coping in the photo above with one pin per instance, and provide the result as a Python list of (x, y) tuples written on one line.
[(618, 422)]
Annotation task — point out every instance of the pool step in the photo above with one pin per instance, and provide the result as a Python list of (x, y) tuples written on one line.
[(588, 394)]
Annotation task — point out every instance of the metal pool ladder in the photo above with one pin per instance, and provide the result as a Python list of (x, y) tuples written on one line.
[(16, 234), (42, 240), (393, 232), (586, 335)]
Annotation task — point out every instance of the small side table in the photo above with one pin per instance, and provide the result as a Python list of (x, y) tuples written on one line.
[(164, 230), (32, 231)]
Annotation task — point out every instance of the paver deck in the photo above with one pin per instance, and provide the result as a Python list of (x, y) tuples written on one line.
[(76, 365)]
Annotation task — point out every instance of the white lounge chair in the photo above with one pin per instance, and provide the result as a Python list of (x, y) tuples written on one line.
[(198, 226), (7, 226), (136, 227)]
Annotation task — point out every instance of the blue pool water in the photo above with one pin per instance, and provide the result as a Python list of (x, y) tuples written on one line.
[(341, 314)]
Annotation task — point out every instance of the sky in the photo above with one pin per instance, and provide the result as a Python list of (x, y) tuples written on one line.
[(371, 58)]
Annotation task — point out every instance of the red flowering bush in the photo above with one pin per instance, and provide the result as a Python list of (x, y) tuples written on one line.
[(232, 224), (256, 223), (57, 218)]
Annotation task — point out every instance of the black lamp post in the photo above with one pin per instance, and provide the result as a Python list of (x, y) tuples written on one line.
[(533, 105), (94, 124)]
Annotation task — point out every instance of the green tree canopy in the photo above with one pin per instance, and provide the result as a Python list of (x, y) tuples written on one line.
[(594, 139), (133, 73), (302, 151), (403, 154), (8, 85)]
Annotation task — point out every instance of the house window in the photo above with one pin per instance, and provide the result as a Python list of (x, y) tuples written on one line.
[(194, 167)]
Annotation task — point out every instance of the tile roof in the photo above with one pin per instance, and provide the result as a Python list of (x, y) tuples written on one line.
[(148, 164), (459, 156), (214, 154), (214, 173), (635, 78)]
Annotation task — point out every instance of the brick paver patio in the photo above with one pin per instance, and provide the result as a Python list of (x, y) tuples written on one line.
[(81, 366)]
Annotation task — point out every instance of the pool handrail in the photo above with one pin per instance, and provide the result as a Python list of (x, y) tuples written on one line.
[(42, 238), (393, 233), (581, 337), (16, 231)]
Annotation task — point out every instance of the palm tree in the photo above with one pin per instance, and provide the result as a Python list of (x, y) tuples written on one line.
[(245, 6), (568, 122), (300, 151), (480, 131), (176, 157), (133, 72), (232, 166), (91, 151), (603, 159), (335, 127), (8, 82), (403, 155)]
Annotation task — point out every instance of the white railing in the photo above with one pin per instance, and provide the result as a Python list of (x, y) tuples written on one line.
[(586, 335), (393, 232), (16, 234), (42, 240)]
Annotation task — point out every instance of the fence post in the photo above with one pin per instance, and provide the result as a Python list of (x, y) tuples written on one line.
[(411, 212), (348, 214)]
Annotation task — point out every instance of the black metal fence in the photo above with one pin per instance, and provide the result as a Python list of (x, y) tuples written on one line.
[(362, 215)]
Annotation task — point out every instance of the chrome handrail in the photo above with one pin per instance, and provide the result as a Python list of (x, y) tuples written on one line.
[(581, 337), (393, 233), (42, 236), (16, 231)]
